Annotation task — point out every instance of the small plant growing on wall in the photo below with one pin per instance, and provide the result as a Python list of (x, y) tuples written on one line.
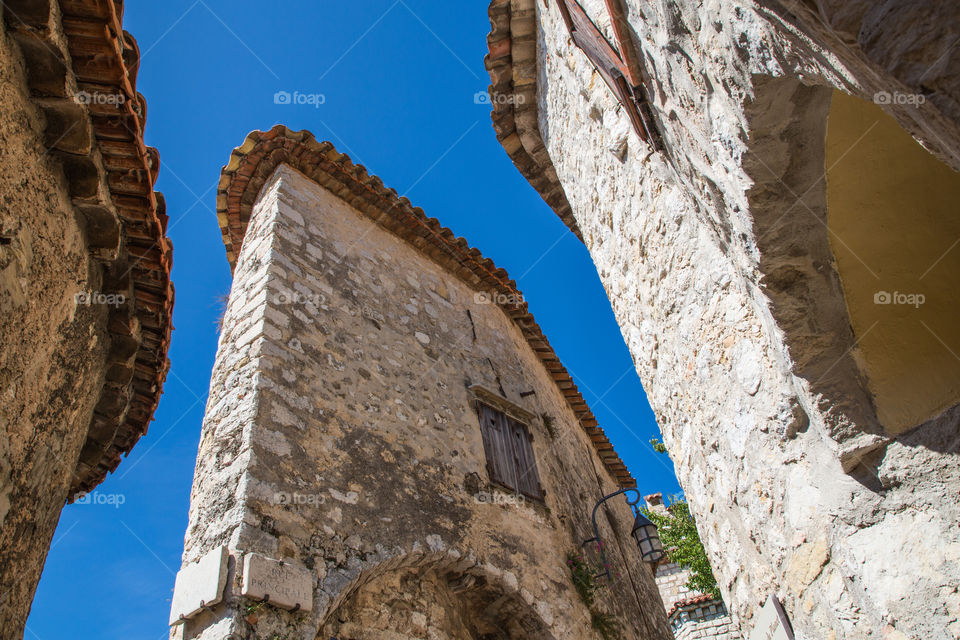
[(251, 609), (605, 624), (658, 446), (548, 425), (582, 573)]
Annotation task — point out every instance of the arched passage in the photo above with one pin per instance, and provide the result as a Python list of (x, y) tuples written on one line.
[(894, 220), (420, 597), (852, 216)]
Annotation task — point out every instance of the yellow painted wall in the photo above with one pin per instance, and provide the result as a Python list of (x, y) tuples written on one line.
[(894, 220)]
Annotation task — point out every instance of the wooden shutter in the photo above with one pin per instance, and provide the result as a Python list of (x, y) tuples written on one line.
[(528, 480), (508, 446), (498, 447), (608, 61)]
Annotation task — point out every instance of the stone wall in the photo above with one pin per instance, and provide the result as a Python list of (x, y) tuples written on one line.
[(53, 350), (85, 295), (672, 583), (341, 436), (703, 622), (718, 265)]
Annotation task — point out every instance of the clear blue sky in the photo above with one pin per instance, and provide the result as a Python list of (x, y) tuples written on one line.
[(399, 80)]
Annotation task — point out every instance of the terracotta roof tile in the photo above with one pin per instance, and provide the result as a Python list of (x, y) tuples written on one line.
[(515, 118), (252, 163), (110, 176), (689, 602)]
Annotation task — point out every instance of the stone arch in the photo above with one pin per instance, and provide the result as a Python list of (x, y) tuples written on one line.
[(447, 591), (831, 198)]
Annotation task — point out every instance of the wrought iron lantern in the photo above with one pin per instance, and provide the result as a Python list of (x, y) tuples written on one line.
[(644, 532)]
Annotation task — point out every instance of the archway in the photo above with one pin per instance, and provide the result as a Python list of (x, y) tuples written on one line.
[(894, 221), (425, 597), (856, 226)]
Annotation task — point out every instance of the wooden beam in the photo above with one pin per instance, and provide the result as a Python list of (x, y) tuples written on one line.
[(621, 31)]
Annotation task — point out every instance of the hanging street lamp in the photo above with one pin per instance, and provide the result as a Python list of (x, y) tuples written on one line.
[(644, 532)]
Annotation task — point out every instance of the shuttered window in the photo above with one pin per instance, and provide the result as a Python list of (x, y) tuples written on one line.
[(509, 449), (618, 66)]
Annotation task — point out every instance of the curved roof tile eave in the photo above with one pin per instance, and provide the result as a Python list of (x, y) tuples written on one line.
[(110, 174), (513, 76)]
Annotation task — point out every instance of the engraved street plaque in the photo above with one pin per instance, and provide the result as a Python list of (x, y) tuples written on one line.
[(199, 584), (771, 622), (285, 585)]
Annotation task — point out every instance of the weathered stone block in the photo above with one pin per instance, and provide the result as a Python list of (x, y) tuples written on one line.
[(276, 582), (199, 585)]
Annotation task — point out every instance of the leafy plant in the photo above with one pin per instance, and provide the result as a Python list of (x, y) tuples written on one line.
[(605, 624), (587, 586), (658, 446), (678, 533), (583, 577)]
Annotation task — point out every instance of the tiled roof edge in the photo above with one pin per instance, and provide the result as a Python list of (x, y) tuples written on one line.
[(95, 124), (252, 164), (511, 62), (692, 602)]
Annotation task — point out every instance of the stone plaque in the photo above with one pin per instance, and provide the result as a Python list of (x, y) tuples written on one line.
[(199, 584), (285, 584), (771, 622)]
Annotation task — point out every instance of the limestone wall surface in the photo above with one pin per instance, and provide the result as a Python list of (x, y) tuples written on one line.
[(341, 436), (710, 627), (53, 355), (85, 292), (672, 582), (716, 262)]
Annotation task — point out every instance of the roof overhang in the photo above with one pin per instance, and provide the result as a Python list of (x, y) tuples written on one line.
[(110, 175), (512, 64)]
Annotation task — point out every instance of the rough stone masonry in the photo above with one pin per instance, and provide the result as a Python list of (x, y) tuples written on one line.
[(85, 292), (765, 243), (341, 487)]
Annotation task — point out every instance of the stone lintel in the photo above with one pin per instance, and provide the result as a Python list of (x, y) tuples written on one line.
[(497, 401)]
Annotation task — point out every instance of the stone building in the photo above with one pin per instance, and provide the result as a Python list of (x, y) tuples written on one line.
[(85, 293), (391, 448), (690, 613), (768, 191)]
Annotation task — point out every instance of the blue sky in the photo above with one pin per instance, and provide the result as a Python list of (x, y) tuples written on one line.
[(398, 80)]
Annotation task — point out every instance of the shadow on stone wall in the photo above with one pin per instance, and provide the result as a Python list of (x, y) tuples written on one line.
[(789, 205), (440, 592)]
